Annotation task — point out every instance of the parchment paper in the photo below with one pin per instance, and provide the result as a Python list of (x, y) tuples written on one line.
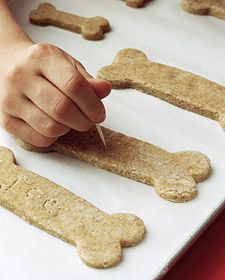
[(168, 35)]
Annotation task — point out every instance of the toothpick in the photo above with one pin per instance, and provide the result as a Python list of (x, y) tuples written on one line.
[(99, 129)]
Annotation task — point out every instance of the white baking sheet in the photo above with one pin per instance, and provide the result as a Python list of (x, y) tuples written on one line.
[(168, 35)]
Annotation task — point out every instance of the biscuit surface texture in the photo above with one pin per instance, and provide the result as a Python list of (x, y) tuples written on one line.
[(97, 235), (214, 8), (132, 69), (90, 28), (136, 3), (173, 175)]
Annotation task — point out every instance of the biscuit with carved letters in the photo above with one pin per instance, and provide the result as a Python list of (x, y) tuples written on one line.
[(132, 69), (214, 8), (91, 28), (173, 175), (97, 235)]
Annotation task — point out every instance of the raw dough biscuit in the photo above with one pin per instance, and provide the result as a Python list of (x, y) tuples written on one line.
[(91, 28), (98, 236), (132, 69), (136, 3), (172, 174), (214, 8)]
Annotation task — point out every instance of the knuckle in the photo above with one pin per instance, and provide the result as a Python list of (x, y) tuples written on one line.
[(43, 93), (73, 83), (60, 107), (43, 141), (15, 74), (6, 100), (42, 49), (53, 129), (7, 123)]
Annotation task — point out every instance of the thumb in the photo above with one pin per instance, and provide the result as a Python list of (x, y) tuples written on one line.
[(101, 87)]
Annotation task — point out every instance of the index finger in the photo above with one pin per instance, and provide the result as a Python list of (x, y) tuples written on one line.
[(59, 71)]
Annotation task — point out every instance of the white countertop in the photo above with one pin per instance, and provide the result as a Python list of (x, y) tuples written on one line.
[(168, 35)]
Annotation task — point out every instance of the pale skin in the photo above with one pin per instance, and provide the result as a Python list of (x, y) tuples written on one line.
[(44, 91)]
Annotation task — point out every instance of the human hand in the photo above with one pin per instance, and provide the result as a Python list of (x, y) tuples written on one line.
[(44, 92)]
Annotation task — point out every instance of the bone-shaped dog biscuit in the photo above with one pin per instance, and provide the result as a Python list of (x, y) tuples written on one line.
[(98, 236), (132, 69), (172, 174), (91, 28), (136, 3), (214, 8)]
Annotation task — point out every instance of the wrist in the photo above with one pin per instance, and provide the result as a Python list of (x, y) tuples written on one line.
[(10, 51), (11, 33)]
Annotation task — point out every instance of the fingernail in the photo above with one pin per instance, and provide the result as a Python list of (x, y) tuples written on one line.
[(101, 116)]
